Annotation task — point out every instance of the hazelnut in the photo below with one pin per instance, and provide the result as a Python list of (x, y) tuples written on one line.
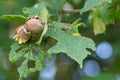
[(66, 27), (22, 35), (34, 25)]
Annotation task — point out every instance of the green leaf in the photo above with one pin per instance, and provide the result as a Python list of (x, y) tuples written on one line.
[(39, 63), (44, 15), (16, 52), (75, 47), (53, 4), (90, 4), (98, 25), (25, 51), (55, 25), (105, 14), (33, 11), (23, 69), (74, 27), (109, 12), (97, 22), (14, 18)]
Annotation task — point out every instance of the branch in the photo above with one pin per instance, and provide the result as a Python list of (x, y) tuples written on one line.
[(60, 17), (72, 11)]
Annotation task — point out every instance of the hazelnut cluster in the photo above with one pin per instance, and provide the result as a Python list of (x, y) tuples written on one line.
[(32, 26)]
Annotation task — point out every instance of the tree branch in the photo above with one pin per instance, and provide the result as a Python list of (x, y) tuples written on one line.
[(72, 11)]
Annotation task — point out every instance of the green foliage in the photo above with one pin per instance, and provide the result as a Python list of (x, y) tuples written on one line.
[(28, 53), (73, 46), (27, 50), (23, 69), (75, 25), (98, 29), (70, 41), (109, 12), (33, 11), (95, 20), (15, 53), (58, 4), (79, 53), (90, 4), (14, 18), (102, 14), (44, 15)]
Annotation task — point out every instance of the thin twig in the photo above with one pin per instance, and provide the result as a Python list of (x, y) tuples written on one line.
[(60, 17), (72, 11)]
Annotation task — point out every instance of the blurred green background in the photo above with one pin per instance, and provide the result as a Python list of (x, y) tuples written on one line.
[(65, 68)]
